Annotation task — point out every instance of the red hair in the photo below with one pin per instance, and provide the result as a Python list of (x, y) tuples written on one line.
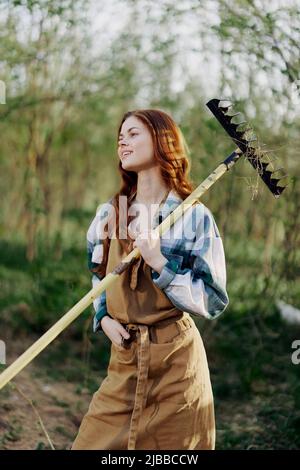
[(170, 152)]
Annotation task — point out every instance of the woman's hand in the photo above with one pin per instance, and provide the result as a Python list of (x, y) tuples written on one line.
[(148, 242), (114, 330)]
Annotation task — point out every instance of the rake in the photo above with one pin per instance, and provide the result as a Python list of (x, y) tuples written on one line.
[(247, 145)]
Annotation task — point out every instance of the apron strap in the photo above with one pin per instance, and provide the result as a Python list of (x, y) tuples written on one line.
[(143, 351)]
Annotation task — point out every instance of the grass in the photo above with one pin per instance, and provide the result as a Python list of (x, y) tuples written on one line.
[(256, 385)]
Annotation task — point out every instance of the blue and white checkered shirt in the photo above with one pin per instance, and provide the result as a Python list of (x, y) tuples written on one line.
[(194, 278)]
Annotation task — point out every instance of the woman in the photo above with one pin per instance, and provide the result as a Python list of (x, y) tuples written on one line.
[(157, 393)]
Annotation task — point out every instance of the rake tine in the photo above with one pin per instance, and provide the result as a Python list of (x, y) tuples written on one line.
[(284, 181), (244, 137), (225, 104)]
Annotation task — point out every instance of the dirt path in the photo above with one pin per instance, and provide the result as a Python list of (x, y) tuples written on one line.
[(60, 405)]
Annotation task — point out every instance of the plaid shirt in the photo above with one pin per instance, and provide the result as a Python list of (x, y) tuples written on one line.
[(194, 277)]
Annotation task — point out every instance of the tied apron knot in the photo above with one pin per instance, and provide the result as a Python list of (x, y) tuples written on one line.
[(134, 268), (134, 273)]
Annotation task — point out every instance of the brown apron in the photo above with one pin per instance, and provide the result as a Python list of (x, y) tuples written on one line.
[(157, 393)]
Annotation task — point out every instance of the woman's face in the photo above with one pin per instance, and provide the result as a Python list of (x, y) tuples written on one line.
[(136, 139)]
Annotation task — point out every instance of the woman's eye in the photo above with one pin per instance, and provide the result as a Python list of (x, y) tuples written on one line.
[(134, 133)]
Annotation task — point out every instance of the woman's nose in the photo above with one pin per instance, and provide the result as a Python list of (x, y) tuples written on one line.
[(122, 144)]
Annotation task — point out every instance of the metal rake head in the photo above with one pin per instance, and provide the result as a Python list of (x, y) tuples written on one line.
[(244, 137)]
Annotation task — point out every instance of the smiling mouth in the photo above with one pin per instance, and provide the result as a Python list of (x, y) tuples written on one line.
[(126, 155)]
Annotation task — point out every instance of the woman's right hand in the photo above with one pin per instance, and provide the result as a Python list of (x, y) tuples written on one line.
[(114, 330)]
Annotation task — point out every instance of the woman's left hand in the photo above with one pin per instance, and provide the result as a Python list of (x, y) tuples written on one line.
[(148, 242)]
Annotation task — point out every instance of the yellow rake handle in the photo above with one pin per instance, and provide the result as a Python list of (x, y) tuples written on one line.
[(22, 361)]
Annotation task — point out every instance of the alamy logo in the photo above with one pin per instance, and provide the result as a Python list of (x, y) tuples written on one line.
[(296, 354), (2, 92), (193, 225), (2, 352)]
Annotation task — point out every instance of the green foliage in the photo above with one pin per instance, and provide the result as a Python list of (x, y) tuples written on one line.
[(34, 294)]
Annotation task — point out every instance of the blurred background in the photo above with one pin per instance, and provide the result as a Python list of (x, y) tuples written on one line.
[(68, 71)]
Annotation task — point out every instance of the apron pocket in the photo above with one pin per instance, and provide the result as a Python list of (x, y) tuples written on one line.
[(171, 333)]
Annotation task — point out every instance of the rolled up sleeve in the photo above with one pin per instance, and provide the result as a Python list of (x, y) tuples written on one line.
[(95, 256), (201, 288)]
